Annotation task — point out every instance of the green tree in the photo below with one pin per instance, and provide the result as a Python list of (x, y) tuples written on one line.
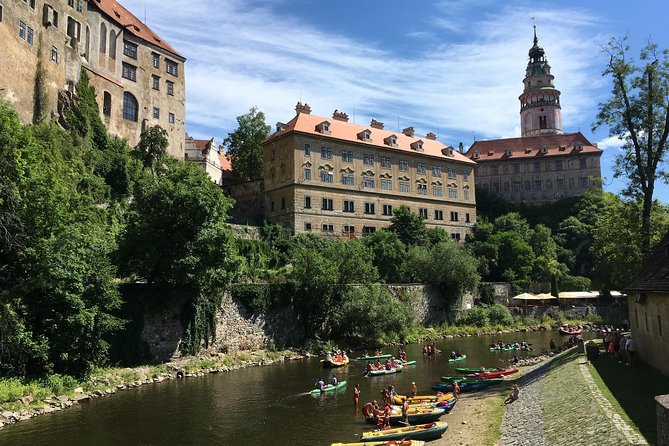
[(83, 118), (638, 114), (243, 145), (409, 226), (152, 147), (388, 252)]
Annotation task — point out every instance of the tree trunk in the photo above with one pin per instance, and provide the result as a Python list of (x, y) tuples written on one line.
[(645, 219)]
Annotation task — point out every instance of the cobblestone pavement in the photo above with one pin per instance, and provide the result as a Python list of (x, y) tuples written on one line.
[(565, 407)]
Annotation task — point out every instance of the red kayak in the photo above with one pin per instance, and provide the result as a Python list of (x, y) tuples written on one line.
[(571, 331), (488, 375)]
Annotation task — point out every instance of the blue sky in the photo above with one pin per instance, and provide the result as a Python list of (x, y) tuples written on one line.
[(452, 67)]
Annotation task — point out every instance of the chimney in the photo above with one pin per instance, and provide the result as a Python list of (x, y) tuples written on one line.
[(408, 131), (431, 136), (460, 148), (376, 124), (340, 116), (302, 108), (280, 126)]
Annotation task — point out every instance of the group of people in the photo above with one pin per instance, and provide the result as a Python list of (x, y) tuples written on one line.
[(430, 349), (320, 384), (391, 363), (402, 355), (389, 394), (513, 345), (619, 346), (568, 343), (456, 354), (337, 356)]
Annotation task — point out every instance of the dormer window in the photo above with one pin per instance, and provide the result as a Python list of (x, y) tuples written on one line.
[(417, 146), (476, 155), (544, 150), (391, 141), (365, 135), (509, 151), (563, 148), (578, 146), (323, 127), (528, 150)]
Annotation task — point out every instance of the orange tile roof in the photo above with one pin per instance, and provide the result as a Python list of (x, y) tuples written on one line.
[(224, 161), (201, 144), (125, 19), (346, 131), (531, 147)]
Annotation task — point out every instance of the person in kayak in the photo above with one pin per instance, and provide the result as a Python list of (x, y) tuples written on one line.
[(333, 380), (453, 356), (320, 384)]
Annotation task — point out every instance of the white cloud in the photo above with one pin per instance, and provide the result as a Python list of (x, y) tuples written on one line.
[(242, 54), (611, 142)]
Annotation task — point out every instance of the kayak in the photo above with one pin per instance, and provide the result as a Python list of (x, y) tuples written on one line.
[(446, 405), (570, 331), (408, 363), (428, 431), (423, 399), (464, 387), (459, 358), (461, 379), (329, 388), (470, 370), (369, 358), (330, 364), (495, 374), (384, 443), (502, 349), (417, 415), (384, 371)]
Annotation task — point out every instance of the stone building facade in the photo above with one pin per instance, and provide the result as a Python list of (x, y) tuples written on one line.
[(648, 303), (543, 165), (209, 157), (138, 77), (340, 179)]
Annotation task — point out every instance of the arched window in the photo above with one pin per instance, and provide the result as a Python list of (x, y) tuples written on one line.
[(112, 44), (130, 107), (106, 104), (103, 38)]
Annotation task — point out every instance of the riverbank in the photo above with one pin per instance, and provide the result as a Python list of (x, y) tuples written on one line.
[(21, 401)]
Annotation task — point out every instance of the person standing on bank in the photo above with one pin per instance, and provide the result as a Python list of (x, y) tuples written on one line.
[(629, 346)]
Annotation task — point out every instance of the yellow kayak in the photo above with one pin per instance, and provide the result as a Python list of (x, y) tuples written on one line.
[(420, 399)]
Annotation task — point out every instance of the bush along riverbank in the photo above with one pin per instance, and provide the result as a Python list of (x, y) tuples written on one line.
[(22, 399)]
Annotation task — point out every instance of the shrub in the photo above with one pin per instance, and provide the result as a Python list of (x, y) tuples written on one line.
[(499, 314), (477, 316)]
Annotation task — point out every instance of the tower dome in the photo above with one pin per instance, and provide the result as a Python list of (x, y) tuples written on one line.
[(540, 111)]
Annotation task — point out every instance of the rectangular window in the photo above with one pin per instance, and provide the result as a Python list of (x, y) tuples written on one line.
[(405, 186), (129, 72), (155, 80), (70, 3), (326, 153), (307, 150), (455, 236), (368, 182), (386, 184), (495, 170), (516, 168), (170, 118), (422, 212), (32, 4), (307, 174), (437, 191), (1, 11), (369, 208), (156, 60), (385, 162), (171, 67), (54, 54), (558, 166), (347, 179), (22, 30), (452, 192), (283, 203), (327, 227), (31, 36), (307, 202), (327, 204), (421, 168), (349, 206), (467, 218), (583, 164), (347, 156), (559, 183), (130, 49), (80, 5), (170, 88), (454, 216), (368, 159), (537, 167), (436, 171), (422, 189), (387, 209), (156, 113), (326, 177), (465, 175), (659, 324), (347, 229), (271, 206), (583, 182), (307, 226), (368, 229), (537, 184), (438, 215), (452, 173), (404, 165)]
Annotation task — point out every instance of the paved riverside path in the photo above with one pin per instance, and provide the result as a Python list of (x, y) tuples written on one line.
[(560, 404)]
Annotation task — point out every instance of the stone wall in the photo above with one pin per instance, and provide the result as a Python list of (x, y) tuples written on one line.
[(662, 419), (249, 202), (609, 313), (425, 299)]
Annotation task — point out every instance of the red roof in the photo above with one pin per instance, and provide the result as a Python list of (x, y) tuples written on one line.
[(306, 123), (224, 161), (202, 144), (125, 19), (531, 147)]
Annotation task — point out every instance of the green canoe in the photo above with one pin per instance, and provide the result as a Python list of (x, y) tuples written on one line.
[(408, 363), (369, 358), (329, 388), (470, 370), (460, 379), (461, 358), (428, 431)]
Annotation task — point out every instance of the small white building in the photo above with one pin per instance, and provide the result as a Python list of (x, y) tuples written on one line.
[(210, 157)]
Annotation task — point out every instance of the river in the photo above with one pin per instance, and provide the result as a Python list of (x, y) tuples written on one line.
[(251, 407)]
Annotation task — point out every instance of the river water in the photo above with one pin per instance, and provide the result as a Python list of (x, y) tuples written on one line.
[(255, 406)]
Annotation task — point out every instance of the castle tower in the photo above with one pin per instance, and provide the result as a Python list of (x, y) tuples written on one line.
[(540, 112)]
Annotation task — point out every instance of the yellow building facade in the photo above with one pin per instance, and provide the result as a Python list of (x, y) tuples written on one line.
[(339, 179)]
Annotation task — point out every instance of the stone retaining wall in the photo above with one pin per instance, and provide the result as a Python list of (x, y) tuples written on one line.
[(662, 420)]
